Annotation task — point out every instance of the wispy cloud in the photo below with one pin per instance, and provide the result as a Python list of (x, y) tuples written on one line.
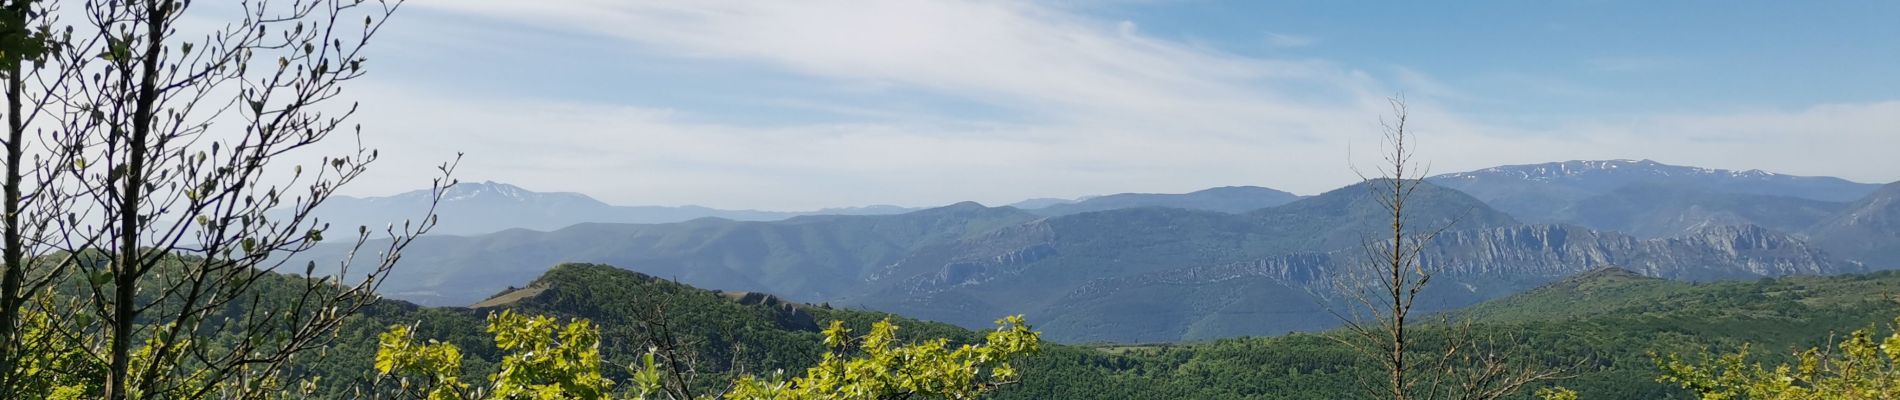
[(1103, 108), (648, 156), (1283, 40), (1008, 53), (656, 156)]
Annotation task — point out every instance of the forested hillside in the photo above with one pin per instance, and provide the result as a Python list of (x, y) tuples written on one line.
[(730, 333), (1605, 324)]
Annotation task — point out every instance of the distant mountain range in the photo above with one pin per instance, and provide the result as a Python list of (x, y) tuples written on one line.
[(472, 208), (1549, 192), (1164, 275), (1642, 198), (808, 258), (1609, 283), (1209, 264)]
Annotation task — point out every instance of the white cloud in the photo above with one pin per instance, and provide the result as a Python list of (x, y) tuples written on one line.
[(1012, 54), (1283, 40), (635, 155), (1850, 140), (1104, 109)]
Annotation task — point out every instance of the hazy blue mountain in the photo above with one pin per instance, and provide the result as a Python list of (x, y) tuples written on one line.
[(484, 207), (1867, 230), (1539, 192), (1653, 210), (807, 257), (1297, 292), (816, 258), (1228, 199), (1150, 274), (1131, 274)]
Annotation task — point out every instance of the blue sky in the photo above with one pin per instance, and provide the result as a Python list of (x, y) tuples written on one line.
[(1575, 58), (796, 105)]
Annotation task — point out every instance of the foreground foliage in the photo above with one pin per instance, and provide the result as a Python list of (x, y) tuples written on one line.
[(1862, 369), (544, 359), (885, 369)]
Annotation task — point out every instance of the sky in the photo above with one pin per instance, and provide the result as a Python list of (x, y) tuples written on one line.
[(781, 105)]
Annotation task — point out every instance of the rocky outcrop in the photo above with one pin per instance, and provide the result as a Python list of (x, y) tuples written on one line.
[(787, 314), (1272, 295), (1721, 252)]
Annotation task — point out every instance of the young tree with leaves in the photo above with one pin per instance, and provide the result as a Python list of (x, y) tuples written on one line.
[(543, 359), (165, 169), (1863, 368), (31, 179)]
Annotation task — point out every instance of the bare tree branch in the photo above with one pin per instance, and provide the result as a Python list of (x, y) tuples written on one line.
[(1384, 289)]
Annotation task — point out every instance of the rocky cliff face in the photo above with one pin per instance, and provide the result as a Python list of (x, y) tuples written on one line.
[(1722, 252), (1716, 252)]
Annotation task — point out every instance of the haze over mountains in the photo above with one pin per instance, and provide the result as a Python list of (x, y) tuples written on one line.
[(484, 207), (472, 208), (1214, 263), (1229, 199)]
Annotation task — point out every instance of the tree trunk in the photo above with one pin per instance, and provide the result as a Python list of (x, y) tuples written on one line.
[(131, 260), (15, 258)]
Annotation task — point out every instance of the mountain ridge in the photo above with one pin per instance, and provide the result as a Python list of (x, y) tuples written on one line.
[(1868, 229), (1177, 255), (1537, 192), (1473, 266), (1652, 210)]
